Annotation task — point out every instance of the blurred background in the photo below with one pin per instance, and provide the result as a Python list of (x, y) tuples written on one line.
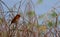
[(29, 18)]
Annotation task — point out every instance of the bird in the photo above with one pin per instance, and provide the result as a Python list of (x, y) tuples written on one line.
[(15, 19)]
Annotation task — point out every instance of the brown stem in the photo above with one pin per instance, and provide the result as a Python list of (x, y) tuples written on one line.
[(56, 25), (48, 32)]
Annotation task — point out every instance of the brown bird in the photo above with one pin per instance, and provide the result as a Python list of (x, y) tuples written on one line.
[(15, 19)]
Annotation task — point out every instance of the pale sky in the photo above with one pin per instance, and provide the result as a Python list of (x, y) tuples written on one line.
[(39, 9)]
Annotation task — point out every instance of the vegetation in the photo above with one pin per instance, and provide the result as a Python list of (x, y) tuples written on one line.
[(27, 22)]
